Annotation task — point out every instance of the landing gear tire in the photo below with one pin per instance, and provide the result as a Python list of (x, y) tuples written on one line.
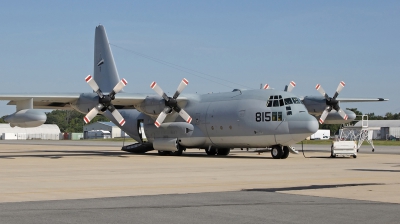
[(164, 153), (179, 152), (223, 151), (211, 151), (277, 152), (285, 153)]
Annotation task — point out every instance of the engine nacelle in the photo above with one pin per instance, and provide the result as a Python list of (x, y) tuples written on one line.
[(335, 118), (27, 118), (151, 106)]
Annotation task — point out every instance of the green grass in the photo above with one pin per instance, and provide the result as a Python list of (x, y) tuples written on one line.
[(328, 142)]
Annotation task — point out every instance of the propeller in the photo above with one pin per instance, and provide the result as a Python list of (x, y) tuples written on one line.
[(105, 101), (288, 88), (171, 103), (331, 102)]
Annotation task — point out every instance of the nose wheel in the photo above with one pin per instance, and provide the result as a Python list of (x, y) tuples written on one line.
[(279, 152)]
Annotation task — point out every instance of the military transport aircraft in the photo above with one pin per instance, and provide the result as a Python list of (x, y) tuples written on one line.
[(214, 122)]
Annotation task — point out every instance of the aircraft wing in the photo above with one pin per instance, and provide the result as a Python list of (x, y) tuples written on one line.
[(44, 101), (63, 101), (344, 100)]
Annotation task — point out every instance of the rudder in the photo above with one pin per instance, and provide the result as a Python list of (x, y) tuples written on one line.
[(104, 70)]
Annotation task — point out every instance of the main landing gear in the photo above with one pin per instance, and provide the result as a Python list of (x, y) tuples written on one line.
[(211, 151), (279, 152)]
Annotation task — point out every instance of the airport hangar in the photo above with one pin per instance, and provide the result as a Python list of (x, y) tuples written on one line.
[(382, 129), (43, 132)]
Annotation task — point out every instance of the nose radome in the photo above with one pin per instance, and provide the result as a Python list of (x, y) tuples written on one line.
[(303, 123)]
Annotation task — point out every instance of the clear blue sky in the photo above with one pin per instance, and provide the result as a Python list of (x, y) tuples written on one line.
[(47, 46)]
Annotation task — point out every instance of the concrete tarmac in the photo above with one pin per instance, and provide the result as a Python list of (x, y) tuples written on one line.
[(67, 182)]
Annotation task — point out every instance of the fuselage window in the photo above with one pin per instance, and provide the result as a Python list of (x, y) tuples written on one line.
[(274, 116), (288, 108), (279, 116), (289, 112), (288, 101)]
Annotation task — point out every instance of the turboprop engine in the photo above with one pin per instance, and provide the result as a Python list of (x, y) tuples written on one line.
[(27, 118)]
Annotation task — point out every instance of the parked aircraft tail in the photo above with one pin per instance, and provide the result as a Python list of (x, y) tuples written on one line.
[(104, 70)]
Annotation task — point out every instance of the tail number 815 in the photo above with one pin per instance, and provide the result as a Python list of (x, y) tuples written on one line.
[(263, 116)]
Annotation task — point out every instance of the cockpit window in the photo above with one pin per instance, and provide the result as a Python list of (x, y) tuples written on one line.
[(275, 97), (276, 103), (296, 100), (281, 103), (269, 103), (288, 101)]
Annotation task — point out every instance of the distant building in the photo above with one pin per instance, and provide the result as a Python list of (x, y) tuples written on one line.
[(382, 129), (44, 132), (113, 129)]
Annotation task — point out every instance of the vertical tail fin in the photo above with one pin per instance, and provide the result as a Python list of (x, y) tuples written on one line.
[(104, 70)]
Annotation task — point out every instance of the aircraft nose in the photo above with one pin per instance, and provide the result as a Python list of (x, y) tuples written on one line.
[(303, 123)]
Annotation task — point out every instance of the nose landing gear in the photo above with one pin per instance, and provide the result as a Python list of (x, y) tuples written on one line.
[(279, 152)]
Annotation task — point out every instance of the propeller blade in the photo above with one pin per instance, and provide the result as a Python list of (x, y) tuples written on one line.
[(323, 116), (266, 86), (343, 114), (158, 90), (118, 116), (89, 79), (92, 113), (339, 88), (322, 91), (185, 116), (291, 86), (120, 85), (181, 87), (160, 119)]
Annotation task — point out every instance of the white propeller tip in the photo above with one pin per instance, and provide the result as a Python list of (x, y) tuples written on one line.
[(266, 86), (157, 124), (321, 121), (153, 84), (189, 120), (342, 83), (122, 122), (88, 78), (293, 83), (124, 82), (318, 86), (86, 120)]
